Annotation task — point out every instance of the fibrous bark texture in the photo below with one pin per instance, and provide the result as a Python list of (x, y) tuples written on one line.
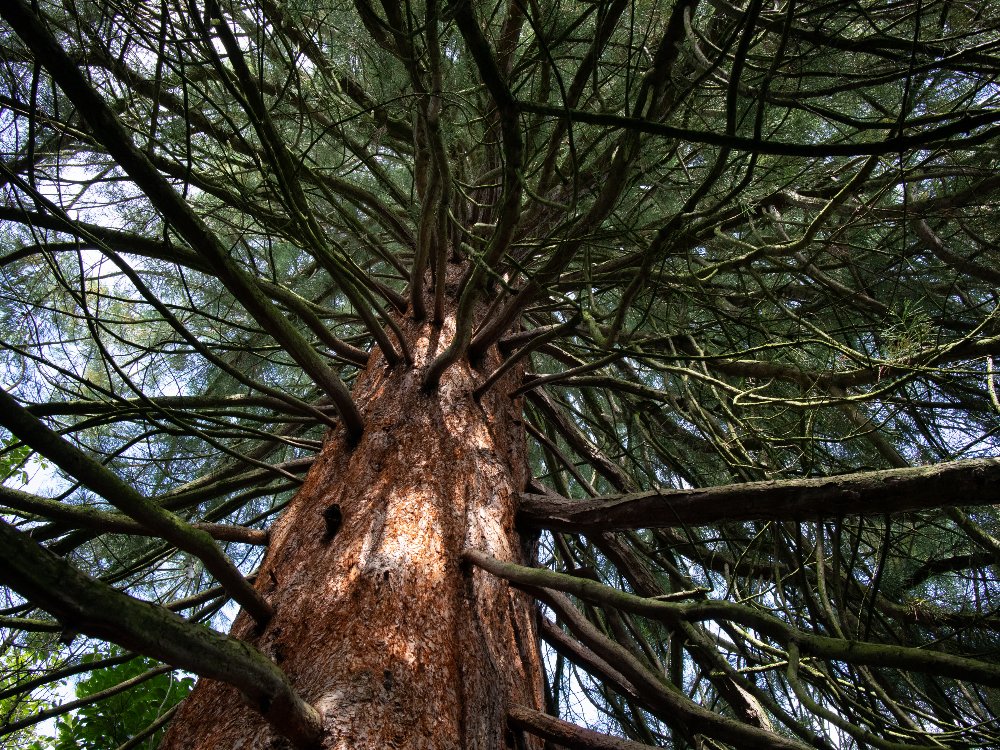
[(380, 625)]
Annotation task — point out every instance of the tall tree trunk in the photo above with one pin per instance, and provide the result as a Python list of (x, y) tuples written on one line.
[(379, 625)]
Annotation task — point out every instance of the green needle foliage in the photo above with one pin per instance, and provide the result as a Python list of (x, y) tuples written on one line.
[(738, 251)]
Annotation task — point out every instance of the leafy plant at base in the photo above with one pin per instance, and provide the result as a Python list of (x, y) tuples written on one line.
[(115, 720)]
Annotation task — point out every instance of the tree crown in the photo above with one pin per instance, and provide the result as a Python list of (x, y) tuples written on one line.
[(732, 252)]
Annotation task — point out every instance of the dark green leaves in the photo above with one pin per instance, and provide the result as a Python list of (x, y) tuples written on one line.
[(119, 718)]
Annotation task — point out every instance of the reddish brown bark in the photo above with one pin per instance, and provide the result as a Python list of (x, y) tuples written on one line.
[(382, 628)]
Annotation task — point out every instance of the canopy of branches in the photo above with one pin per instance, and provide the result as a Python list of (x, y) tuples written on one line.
[(730, 245)]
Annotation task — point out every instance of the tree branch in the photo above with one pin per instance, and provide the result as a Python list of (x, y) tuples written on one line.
[(868, 493), (108, 129), (565, 734), (93, 608), (106, 483)]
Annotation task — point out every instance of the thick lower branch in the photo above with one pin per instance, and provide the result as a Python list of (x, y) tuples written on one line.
[(870, 493), (155, 518), (88, 606)]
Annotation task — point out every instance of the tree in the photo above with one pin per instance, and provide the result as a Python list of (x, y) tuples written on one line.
[(590, 374)]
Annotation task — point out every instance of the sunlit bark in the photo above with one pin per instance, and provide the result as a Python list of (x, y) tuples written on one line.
[(377, 621)]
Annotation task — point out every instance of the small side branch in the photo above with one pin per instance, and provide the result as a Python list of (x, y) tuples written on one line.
[(528, 348), (565, 734), (115, 523)]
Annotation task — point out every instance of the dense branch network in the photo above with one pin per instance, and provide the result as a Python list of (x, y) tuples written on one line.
[(739, 251)]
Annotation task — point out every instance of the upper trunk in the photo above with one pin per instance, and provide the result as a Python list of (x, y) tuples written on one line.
[(377, 623)]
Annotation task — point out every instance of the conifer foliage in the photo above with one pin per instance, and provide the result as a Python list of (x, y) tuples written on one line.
[(731, 267)]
